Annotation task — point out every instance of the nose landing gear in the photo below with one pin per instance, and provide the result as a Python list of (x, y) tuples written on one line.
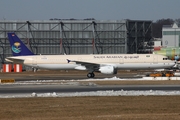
[(90, 75)]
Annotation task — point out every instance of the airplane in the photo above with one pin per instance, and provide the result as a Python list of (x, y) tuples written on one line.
[(172, 53), (103, 63)]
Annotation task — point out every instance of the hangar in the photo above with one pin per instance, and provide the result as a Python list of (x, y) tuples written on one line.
[(76, 36)]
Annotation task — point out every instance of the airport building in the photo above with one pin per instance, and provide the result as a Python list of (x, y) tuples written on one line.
[(72, 36), (171, 35)]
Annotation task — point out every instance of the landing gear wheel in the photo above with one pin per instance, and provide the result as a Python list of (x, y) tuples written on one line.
[(34, 69), (90, 75)]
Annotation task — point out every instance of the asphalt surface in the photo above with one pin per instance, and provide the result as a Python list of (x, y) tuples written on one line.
[(75, 75), (18, 89), (73, 87)]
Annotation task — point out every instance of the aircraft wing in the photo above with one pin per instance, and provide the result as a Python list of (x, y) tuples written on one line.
[(88, 65)]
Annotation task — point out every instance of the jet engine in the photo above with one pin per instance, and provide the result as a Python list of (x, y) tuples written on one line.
[(108, 70)]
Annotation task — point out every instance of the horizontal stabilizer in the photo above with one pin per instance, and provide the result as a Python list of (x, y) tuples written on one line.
[(14, 60)]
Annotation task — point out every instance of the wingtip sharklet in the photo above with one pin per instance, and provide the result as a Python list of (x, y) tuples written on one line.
[(68, 60)]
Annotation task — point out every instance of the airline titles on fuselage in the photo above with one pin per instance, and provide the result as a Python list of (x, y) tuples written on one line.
[(119, 56)]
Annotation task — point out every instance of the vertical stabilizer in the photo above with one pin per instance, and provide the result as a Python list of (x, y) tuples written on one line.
[(18, 48)]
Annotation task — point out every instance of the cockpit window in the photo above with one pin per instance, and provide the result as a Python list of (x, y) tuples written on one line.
[(165, 59)]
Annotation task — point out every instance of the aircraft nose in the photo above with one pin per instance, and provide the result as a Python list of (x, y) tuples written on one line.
[(174, 63)]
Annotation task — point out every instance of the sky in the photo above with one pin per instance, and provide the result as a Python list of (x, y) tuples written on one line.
[(82, 9)]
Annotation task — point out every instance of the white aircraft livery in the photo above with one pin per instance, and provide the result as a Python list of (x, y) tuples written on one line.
[(104, 63)]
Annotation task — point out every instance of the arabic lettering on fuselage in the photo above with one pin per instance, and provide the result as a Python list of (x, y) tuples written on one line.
[(119, 56)]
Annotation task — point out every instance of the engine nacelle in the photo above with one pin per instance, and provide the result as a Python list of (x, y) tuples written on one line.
[(108, 70)]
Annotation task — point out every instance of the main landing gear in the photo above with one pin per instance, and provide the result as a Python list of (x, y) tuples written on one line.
[(90, 75)]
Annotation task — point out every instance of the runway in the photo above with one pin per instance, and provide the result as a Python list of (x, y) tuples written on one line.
[(19, 89)]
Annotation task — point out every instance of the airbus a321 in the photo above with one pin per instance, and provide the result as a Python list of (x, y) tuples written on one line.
[(103, 63)]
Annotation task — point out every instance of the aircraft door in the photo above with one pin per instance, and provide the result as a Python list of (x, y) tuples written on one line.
[(34, 61), (155, 59)]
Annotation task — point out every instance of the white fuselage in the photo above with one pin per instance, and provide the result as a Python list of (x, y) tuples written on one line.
[(118, 61)]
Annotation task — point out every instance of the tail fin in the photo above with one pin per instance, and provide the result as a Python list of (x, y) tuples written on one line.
[(18, 48)]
